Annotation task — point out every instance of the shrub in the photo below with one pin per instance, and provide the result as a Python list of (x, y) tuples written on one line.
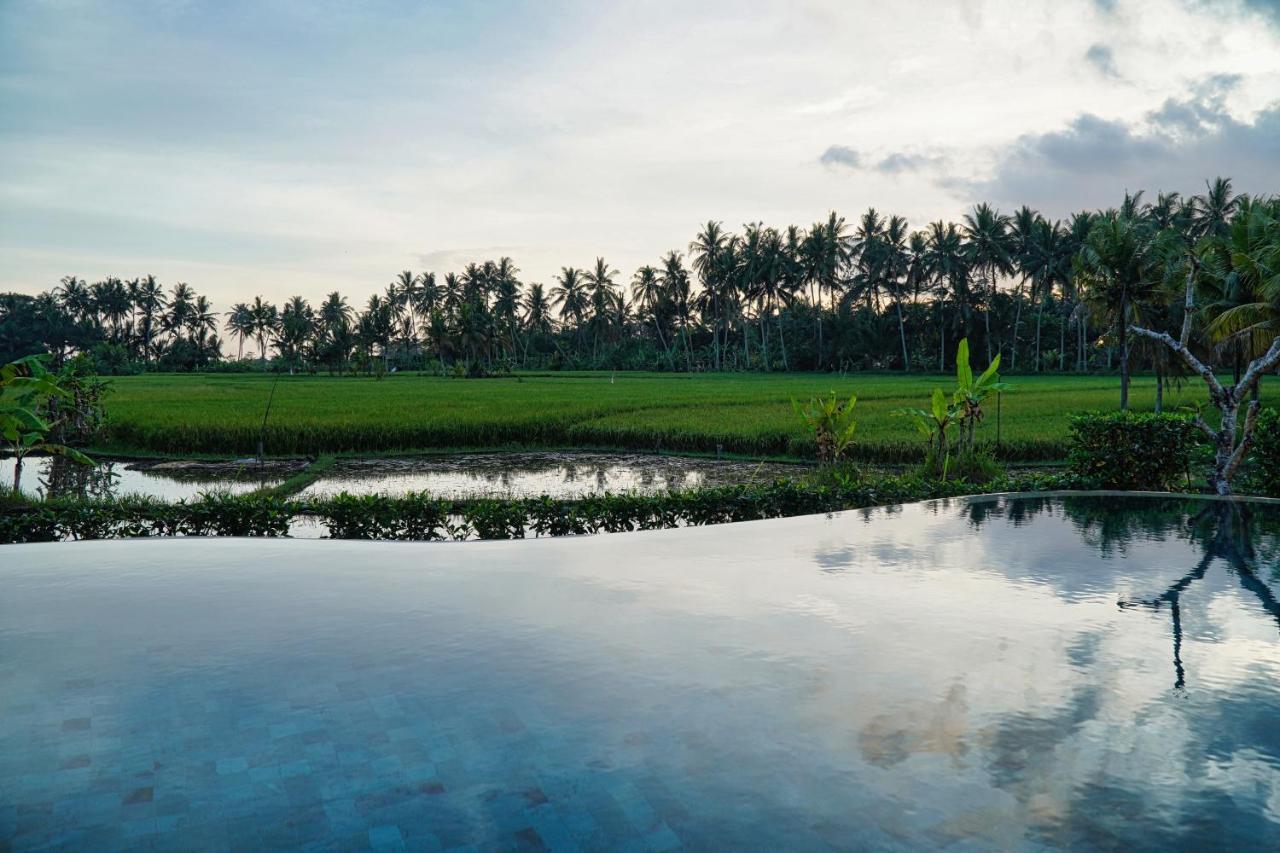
[(1264, 463), (1132, 451)]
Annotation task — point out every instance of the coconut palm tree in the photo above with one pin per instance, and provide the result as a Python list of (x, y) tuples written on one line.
[(650, 297), (240, 322), (988, 250), (706, 254), (1119, 267), (569, 296), (265, 321), (150, 303)]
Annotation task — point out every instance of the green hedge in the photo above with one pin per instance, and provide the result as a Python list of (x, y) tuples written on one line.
[(1264, 464), (1134, 451), (422, 517)]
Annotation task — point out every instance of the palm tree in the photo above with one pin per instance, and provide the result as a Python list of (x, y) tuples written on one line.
[(570, 297), (265, 321), (1241, 272), (150, 302), (181, 306), (706, 253), (1211, 212), (603, 298), (987, 247), (1118, 264), (537, 316), (650, 296), (677, 290), (948, 267), (240, 322)]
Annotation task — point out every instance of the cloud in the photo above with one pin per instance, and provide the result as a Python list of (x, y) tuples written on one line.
[(1174, 147), (842, 156), (1103, 59), (894, 163), (899, 162)]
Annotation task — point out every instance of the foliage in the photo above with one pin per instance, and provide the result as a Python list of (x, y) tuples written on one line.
[(832, 425), (971, 393), (422, 517), (1133, 451), (748, 415), (835, 296), (1264, 474), (25, 388)]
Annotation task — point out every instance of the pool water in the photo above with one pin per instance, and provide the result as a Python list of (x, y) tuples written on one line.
[(1030, 673)]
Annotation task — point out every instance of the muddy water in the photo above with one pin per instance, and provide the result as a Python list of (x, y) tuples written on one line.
[(558, 474)]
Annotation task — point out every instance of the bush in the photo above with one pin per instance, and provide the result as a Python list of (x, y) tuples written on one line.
[(1264, 463), (1132, 451)]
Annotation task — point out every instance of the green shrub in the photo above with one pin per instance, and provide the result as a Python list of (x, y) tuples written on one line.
[(1264, 462), (1132, 450)]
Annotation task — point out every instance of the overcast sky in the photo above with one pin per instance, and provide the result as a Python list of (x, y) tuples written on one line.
[(281, 148)]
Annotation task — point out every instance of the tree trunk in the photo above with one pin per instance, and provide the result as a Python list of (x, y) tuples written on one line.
[(1017, 322), (782, 344), (986, 317), (1039, 326), (1124, 352), (1159, 391), (902, 335)]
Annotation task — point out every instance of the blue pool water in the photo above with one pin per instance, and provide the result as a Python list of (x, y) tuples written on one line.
[(1084, 672)]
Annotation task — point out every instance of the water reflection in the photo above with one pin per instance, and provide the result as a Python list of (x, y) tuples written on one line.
[(530, 474), (950, 673), (55, 476)]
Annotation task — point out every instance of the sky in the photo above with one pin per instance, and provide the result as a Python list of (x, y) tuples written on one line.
[(281, 148)]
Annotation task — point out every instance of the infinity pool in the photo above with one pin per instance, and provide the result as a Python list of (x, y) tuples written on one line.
[(1081, 672)]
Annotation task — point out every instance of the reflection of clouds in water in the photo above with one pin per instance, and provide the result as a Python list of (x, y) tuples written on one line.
[(952, 680), (531, 474)]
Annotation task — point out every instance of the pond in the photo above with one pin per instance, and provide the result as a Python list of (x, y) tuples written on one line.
[(55, 476), (530, 474), (996, 673)]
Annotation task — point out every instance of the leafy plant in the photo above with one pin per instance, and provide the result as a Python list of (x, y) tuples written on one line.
[(832, 425), (1132, 450), (25, 385), (1264, 471), (933, 423), (971, 393)]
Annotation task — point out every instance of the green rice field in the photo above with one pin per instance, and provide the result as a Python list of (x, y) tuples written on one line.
[(742, 414)]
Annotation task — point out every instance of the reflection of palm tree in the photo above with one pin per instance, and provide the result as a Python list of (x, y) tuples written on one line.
[(1229, 528)]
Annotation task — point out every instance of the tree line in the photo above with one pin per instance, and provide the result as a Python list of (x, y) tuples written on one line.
[(1047, 295)]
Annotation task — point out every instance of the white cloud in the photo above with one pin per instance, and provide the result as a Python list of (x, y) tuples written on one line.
[(280, 149)]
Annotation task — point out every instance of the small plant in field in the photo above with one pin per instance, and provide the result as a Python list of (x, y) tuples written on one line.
[(832, 425), (965, 411), (933, 423), (25, 387), (972, 392)]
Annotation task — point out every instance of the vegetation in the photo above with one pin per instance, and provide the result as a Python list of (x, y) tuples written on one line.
[(1264, 475), (831, 424), (869, 296), (1130, 450), (736, 414), (421, 517), (26, 389)]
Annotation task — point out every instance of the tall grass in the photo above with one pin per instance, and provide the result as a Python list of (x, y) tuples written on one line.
[(740, 414)]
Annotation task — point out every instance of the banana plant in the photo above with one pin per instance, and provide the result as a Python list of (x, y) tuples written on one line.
[(972, 392), (933, 424), (832, 425), (25, 385)]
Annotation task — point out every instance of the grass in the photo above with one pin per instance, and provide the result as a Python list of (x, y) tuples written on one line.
[(742, 414)]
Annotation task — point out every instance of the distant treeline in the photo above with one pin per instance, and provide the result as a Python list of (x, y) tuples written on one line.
[(1046, 295)]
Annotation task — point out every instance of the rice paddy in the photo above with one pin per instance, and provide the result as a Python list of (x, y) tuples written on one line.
[(740, 414)]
